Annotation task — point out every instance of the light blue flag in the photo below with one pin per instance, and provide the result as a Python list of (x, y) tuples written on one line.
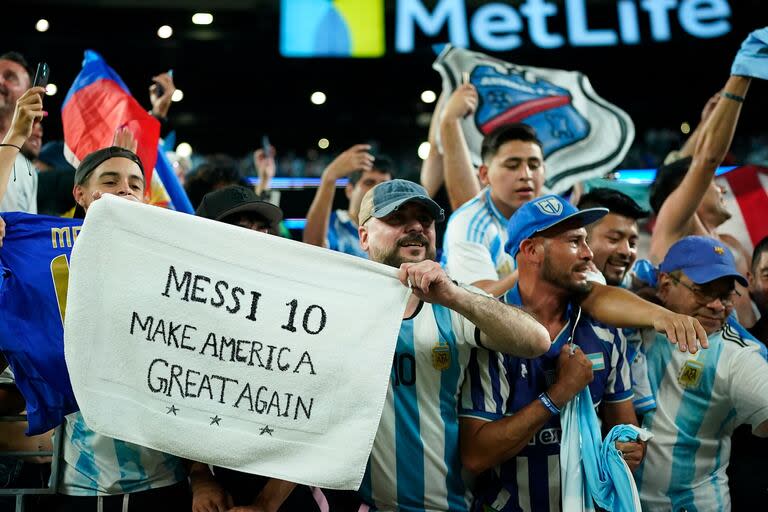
[(592, 470)]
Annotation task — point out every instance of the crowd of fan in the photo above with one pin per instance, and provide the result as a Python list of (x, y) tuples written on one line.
[(554, 297)]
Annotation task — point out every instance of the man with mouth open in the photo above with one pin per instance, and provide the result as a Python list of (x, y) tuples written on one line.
[(513, 174)]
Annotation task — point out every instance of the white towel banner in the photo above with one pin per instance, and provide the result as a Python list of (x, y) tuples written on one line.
[(228, 346)]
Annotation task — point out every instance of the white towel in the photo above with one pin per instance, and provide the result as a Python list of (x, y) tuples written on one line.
[(282, 370)]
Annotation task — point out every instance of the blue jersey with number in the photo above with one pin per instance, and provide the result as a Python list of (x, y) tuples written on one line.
[(34, 263), (415, 464)]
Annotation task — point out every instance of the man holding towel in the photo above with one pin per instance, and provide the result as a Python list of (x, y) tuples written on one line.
[(510, 424), (97, 470), (415, 463)]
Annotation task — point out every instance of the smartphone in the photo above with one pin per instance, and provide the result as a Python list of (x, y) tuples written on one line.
[(159, 89), (266, 146), (41, 75)]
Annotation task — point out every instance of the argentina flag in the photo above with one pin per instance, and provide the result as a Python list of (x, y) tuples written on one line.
[(583, 136)]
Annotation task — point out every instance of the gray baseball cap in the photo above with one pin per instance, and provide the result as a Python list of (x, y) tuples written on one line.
[(388, 196)]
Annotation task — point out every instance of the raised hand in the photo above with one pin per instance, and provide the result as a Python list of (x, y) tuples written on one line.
[(461, 103), (161, 103), (124, 138), (29, 108), (356, 158)]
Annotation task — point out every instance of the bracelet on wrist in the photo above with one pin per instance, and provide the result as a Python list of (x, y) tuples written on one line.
[(731, 96), (11, 146), (548, 403)]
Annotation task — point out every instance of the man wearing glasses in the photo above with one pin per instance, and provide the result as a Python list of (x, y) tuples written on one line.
[(701, 398)]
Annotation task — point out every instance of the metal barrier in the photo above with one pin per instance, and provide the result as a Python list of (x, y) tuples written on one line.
[(55, 455)]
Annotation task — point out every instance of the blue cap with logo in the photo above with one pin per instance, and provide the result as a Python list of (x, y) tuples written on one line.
[(388, 196), (543, 213), (702, 259)]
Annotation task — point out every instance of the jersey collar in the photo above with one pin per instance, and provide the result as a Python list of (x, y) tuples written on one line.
[(494, 210)]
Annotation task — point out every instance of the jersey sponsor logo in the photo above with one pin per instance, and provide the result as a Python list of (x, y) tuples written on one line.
[(549, 206), (546, 436)]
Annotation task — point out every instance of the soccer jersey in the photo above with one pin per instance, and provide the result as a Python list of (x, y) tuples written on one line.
[(415, 463), (342, 234), (701, 399), (94, 464), (34, 263), (473, 246), (498, 385)]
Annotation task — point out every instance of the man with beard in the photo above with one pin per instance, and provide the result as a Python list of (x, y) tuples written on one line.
[(513, 173), (414, 465), (613, 239), (702, 399), (510, 425), (21, 194)]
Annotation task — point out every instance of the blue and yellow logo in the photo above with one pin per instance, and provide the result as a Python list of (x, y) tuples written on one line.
[(332, 28)]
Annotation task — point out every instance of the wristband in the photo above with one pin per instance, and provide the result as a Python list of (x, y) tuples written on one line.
[(11, 146), (731, 96), (548, 403)]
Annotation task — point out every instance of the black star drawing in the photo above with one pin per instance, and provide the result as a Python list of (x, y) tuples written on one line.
[(266, 430), (172, 410), (215, 419)]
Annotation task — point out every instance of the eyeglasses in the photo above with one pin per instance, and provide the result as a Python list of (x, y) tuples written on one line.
[(727, 299)]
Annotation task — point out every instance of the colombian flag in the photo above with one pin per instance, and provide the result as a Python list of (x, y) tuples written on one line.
[(97, 104)]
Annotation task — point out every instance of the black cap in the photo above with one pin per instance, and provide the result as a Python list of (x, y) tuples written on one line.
[(93, 160), (236, 199)]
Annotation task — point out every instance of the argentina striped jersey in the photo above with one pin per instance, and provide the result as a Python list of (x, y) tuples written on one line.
[(701, 399), (498, 385), (94, 464), (343, 235), (415, 464), (473, 246)]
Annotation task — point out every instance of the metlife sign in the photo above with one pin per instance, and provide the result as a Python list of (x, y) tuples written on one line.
[(344, 26), (501, 27)]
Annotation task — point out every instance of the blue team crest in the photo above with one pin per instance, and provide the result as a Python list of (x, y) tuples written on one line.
[(583, 136), (509, 96), (549, 206)]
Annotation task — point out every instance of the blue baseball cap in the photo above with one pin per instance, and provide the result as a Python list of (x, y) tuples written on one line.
[(544, 213), (702, 259), (386, 197)]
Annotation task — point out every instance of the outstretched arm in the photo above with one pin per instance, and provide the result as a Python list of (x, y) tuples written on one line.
[(621, 308), (503, 328)]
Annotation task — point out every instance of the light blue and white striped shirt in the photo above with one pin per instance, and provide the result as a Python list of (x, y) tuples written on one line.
[(94, 464), (343, 235), (701, 400), (415, 463), (473, 246)]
